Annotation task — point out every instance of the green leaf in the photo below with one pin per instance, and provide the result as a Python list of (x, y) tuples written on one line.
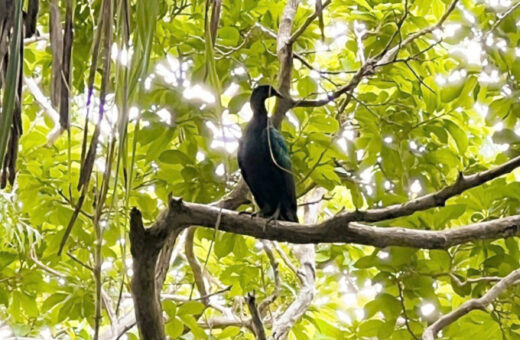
[(229, 36), (6, 258), (386, 304), (174, 328), (370, 328), (224, 244), (307, 86), (190, 321), (322, 123), (458, 134), (191, 307), (174, 157), (170, 308), (366, 262), (237, 102)]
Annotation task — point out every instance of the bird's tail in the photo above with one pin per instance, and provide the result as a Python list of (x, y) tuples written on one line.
[(289, 215)]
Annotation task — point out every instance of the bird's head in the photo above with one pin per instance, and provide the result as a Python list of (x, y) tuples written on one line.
[(260, 94)]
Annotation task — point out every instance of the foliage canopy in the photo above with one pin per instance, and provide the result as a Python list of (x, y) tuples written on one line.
[(177, 93)]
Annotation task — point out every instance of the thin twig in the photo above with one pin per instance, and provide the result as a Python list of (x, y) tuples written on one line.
[(286, 259), (369, 67), (403, 307), (306, 24), (321, 72), (34, 258), (469, 281), (274, 265), (75, 259), (500, 19)]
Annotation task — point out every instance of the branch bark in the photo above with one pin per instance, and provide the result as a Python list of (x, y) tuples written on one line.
[(306, 24), (342, 228), (470, 305), (145, 247), (47, 109), (437, 199), (258, 326), (195, 266), (284, 51), (336, 229)]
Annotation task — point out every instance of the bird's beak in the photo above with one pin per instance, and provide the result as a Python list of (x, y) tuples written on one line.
[(275, 93)]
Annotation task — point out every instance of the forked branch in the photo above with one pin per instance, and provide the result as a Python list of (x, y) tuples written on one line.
[(470, 305)]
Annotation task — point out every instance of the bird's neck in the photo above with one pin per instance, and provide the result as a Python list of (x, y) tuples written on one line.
[(260, 115)]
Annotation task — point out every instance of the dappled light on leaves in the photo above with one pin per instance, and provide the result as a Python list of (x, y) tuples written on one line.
[(400, 118)]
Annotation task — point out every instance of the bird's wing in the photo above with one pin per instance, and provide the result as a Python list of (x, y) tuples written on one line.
[(280, 152), (279, 149), (249, 181)]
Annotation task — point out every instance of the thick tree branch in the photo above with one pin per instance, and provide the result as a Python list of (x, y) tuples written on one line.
[(237, 197), (145, 247), (284, 51), (470, 305), (341, 228), (337, 229)]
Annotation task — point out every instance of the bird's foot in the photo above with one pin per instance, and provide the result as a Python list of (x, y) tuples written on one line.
[(252, 214), (270, 220)]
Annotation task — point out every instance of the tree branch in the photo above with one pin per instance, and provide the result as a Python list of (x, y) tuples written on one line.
[(47, 108), (286, 259), (403, 308), (306, 24), (371, 64), (469, 281), (336, 229), (34, 258), (393, 51), (500, 19), (237, 197), (270, 299), (341, 228), (470, 305), (307, 273), (145, 245), (321, 72), (198, 276), (284, 51), (436, 199), (258, 326), (223, 322)]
